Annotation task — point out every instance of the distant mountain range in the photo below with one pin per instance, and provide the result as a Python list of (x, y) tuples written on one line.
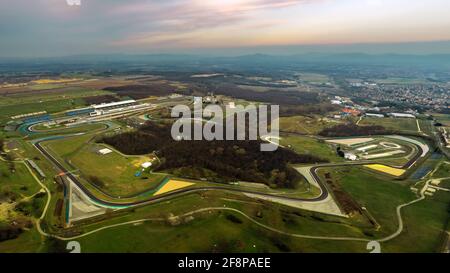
[(436, 61)]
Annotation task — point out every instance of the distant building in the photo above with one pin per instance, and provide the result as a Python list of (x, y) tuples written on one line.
[(80, 112), (350, 156), (198, 100), (401, 115), (336, 102), (36, 168), (12, 126), (105, 151), (29, 115), (113, 105), (374, 115), (210, 99), (175, 96), (146, 165), (353, 112)]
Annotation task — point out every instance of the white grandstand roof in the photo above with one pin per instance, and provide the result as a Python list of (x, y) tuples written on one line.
[(402, 115), (112, 104)]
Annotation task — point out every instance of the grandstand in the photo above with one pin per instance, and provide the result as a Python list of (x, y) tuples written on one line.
[(36, 168), (37, 119), (113, 105), (80, 112)]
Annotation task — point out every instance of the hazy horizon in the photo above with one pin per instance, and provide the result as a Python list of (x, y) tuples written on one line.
[(419, 49)]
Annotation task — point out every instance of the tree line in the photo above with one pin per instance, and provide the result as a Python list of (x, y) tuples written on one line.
[(350, 129)]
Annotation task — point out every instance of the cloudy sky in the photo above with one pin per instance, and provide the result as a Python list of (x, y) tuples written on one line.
[(53, 27)]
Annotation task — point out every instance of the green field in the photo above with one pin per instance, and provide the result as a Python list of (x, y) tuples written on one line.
[(426, 126), (53, 95), (424, 226), (314, 78), (116, 172), (443, 171), (20, 181), (47, 86), (305, 125), (308, 145), (28, 242), (379, 195), (442, 118), (52, 101), (218, 231), (401, 81), (396, 124), (197, 237), (424, 222), (50, 106)]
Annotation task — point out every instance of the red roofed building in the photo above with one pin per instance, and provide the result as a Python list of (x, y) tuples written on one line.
[(352, 112)]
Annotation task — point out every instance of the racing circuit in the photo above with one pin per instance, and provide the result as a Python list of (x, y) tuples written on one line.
[(114, 202)]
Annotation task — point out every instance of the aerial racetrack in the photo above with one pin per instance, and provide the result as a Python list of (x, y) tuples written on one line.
[(119, 202), (88, 203), (173, 188)]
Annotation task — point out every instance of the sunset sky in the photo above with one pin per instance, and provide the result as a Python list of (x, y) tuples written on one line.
[(52, 27)]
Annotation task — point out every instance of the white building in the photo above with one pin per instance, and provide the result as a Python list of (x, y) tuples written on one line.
[(198, 100), (112, 105), (375, 115), (350, 156), (105, 151), (146, 165), (401, 115)]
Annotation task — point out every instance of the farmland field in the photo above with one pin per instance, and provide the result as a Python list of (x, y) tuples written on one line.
[(442, 118), (305, 125), (401, 81), (18, 181), (49, 106), (396, 124)]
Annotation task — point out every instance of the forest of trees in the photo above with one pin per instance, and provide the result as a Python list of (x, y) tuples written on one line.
[(9, 232), (350, 129), (307, 110), (230, 160), (101, 99), (143, 91), (272, 96)]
